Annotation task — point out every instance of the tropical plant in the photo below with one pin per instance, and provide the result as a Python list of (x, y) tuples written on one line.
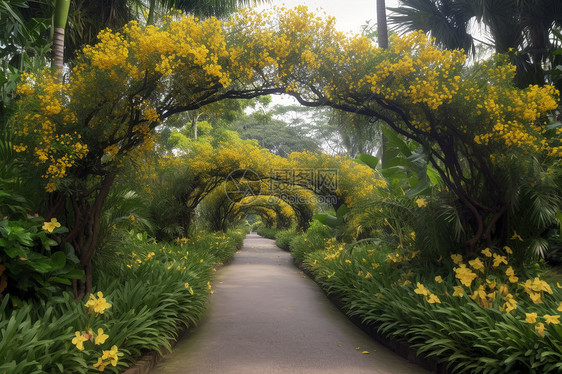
[(32, 262), (122, 88), (522, 26)]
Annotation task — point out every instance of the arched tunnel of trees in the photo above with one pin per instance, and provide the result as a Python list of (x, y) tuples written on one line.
[(81, 131), (114, 166)]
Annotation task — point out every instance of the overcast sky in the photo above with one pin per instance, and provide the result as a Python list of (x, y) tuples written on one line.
[(350, 14)]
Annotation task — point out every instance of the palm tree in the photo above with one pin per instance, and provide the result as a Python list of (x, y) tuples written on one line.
[(524, 26), (59, 25), (199, 8), (382, 29), (446, 20)]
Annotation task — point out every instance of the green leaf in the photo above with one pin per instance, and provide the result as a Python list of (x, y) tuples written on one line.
[(369, 160), (326, 219), (58, 260), (422, 188), (75, 274), (60, 280), (393, 139)]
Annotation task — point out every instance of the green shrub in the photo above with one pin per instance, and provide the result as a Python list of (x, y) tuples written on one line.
[(157, 290), (385, 290), (315, 239), (283, 239), (266, 232), (31, 262)]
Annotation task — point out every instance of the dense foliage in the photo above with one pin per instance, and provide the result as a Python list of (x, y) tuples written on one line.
[(443, 233)]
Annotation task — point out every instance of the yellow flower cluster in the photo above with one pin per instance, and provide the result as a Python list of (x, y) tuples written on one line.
[(97, 304), (536, 289), (123, 86), (489, 290), (51, 225), (108, 357), (82, 336), (429, 296)]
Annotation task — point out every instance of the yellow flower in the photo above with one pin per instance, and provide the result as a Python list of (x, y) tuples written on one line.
[(510, 303), (516, 236), (499, 260), (477, 264), (539, 327), (50, 226), (422, 203), (101, 337), (508, 250), (479, 293), (189, 289), (487, 252), (432, 299), (560, 307), (535, 289), (111, 355), (465, 275), (459, 291), (531, 317), (457, 259), (100, 365), (368, 275), (79, 340), (98, 305), (554, 319), (438, 279), (511, 274), (421, 290)]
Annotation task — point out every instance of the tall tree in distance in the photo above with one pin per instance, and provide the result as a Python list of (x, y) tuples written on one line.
[(522, 29), (382, 29), (59, 25), (199, 8)]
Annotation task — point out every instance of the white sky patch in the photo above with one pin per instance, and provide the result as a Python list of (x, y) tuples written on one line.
[(350, 15)]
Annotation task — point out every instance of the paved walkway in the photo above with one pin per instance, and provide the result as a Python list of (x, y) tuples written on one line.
[(267, 317)]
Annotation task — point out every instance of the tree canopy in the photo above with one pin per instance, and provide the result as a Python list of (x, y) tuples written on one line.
[(468, 119)]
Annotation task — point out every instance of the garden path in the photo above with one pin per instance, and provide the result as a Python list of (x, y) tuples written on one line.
[(267, 317)]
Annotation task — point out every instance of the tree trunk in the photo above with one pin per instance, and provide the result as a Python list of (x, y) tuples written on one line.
[(194, 126), (382, 29), (151, 9), (382, 36), (59, 24), (85, 229)]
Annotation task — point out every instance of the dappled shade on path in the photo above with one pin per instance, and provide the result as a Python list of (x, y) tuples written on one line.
[(266, 316)]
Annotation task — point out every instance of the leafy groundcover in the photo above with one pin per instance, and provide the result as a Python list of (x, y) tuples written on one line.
[(158, 291)]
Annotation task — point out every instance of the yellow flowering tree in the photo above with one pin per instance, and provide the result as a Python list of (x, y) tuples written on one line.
[(119, 90)]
